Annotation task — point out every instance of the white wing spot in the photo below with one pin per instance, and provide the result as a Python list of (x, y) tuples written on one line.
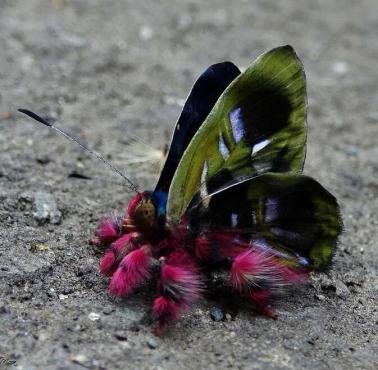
[(261, 145), (203, 190), (223, 147)]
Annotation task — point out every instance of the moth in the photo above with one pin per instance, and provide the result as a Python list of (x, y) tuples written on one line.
[(231, 195)]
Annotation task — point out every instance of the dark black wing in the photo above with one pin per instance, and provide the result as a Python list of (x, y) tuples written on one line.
[(205, 92)]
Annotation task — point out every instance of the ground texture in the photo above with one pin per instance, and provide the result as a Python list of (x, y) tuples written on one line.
[(113, 69)]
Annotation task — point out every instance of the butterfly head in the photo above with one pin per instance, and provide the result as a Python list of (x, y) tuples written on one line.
[(141, 212)]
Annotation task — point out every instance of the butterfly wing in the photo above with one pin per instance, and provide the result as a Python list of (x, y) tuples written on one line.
[(205, 92), (256, 126), (290, 213)]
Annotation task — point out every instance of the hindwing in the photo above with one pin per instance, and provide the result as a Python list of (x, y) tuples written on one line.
[(290, 213)]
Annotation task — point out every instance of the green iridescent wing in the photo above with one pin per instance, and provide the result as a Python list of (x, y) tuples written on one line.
[(256, 126), (288, 214)]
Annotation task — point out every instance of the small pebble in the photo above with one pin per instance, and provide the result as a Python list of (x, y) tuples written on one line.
[(108, 310), (39, 247), (93, 316), (151, 343), (125, 345), (79, 359), (43, 159), (341, 289), (120, 335), (352, 151), (216, 314)]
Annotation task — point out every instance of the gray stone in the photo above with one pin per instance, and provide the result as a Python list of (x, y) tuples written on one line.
[(46, 209), (217, 314), (151, 343)]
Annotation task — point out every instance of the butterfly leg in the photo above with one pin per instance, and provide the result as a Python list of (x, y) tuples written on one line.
[(107, 231), (134, 269), (115, 253), (261, 277), (180, 286)]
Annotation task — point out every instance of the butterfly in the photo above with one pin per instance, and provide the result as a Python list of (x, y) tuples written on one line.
[(231, 195)]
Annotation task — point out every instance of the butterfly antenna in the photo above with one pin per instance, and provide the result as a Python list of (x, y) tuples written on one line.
[(39, 119), (81, 176)]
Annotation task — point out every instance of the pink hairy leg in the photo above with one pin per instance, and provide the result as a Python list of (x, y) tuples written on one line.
[(107, 231), (261, 276), (180, 287), (116, 252), (134, 269)]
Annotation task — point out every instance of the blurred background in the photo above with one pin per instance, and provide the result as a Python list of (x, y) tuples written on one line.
[(116, 74)]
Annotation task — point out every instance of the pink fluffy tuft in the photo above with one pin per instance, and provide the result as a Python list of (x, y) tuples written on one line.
[(108, 263), (133, 204), (185, 280), (180, 287), (250, 265), (132, 271), (263, 277), (165, 309), (107, 231), (123, 241), (115, 253)]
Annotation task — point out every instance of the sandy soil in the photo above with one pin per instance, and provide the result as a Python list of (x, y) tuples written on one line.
[(112, 69)]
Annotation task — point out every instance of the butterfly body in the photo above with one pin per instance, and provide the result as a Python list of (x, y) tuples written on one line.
[(231, 195), (184, 256)]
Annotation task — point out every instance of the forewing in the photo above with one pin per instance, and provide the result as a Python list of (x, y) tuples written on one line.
[(256, 126), (290, 213), (205, 92)]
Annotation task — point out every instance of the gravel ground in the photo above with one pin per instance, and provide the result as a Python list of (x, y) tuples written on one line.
[(113, 69)]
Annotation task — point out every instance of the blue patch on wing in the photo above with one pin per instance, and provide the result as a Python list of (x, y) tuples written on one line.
[(160, 200), (237, 125)]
